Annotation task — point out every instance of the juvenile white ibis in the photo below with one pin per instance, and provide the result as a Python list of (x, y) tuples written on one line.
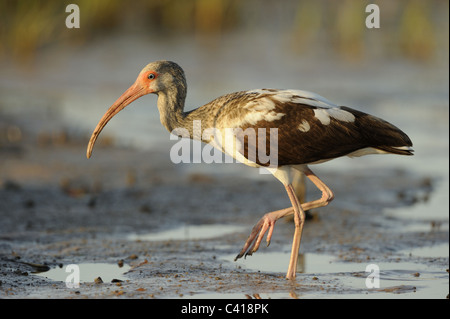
[(310, 130)]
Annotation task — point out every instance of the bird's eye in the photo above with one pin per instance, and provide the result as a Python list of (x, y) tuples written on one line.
[(151, 76)]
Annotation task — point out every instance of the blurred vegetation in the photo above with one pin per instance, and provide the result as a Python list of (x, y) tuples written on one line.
[(410, 28)]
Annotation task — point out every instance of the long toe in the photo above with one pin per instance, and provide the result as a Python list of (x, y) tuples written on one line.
[(265, 225)]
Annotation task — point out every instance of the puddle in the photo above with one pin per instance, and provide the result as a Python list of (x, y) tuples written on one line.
[(308, 263), (436, 251), (424, 227), (398, 279), (435, 209), (88, 272), (311, 263), (190, 232)]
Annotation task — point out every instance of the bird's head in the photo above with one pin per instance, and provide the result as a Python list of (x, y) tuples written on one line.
[(157, 77), (161, 76)]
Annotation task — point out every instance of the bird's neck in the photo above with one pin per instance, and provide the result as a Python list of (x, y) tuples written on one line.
[(171, 108), (172, 115)]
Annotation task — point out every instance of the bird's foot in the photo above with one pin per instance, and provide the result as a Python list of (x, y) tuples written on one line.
[(265, 225)]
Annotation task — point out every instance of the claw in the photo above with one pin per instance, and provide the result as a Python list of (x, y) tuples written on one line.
[(264, 225), (239, 256)]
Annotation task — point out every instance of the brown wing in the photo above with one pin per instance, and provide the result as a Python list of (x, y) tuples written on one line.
[(299, 127), (303, 138)]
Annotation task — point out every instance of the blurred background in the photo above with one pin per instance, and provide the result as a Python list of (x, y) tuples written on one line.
[(59, 81), (410, 29)]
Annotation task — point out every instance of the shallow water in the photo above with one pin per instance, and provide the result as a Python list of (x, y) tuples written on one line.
[(88, 272), (396, 279), (439, 250), (347, 279)]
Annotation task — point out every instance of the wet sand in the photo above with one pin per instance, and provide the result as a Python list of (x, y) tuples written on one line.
[(58, 208)]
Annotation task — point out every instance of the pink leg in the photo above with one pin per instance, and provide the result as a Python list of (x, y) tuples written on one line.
[(299, 221), (267, 223)]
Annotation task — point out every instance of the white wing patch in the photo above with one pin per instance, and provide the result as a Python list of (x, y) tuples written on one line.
[(296, 96), (262, 108), (304, 126), (324, 115), (259, 110)]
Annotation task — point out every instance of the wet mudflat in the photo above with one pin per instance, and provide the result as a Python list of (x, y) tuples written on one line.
[(139, 226)]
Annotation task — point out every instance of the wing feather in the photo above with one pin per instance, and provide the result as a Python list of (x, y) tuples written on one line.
[(310, 128)]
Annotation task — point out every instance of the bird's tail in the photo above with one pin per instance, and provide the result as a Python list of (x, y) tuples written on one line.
[(400, 150), (381, 134)]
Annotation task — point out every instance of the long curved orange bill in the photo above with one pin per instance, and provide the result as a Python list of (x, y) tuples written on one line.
[(130, 95)]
